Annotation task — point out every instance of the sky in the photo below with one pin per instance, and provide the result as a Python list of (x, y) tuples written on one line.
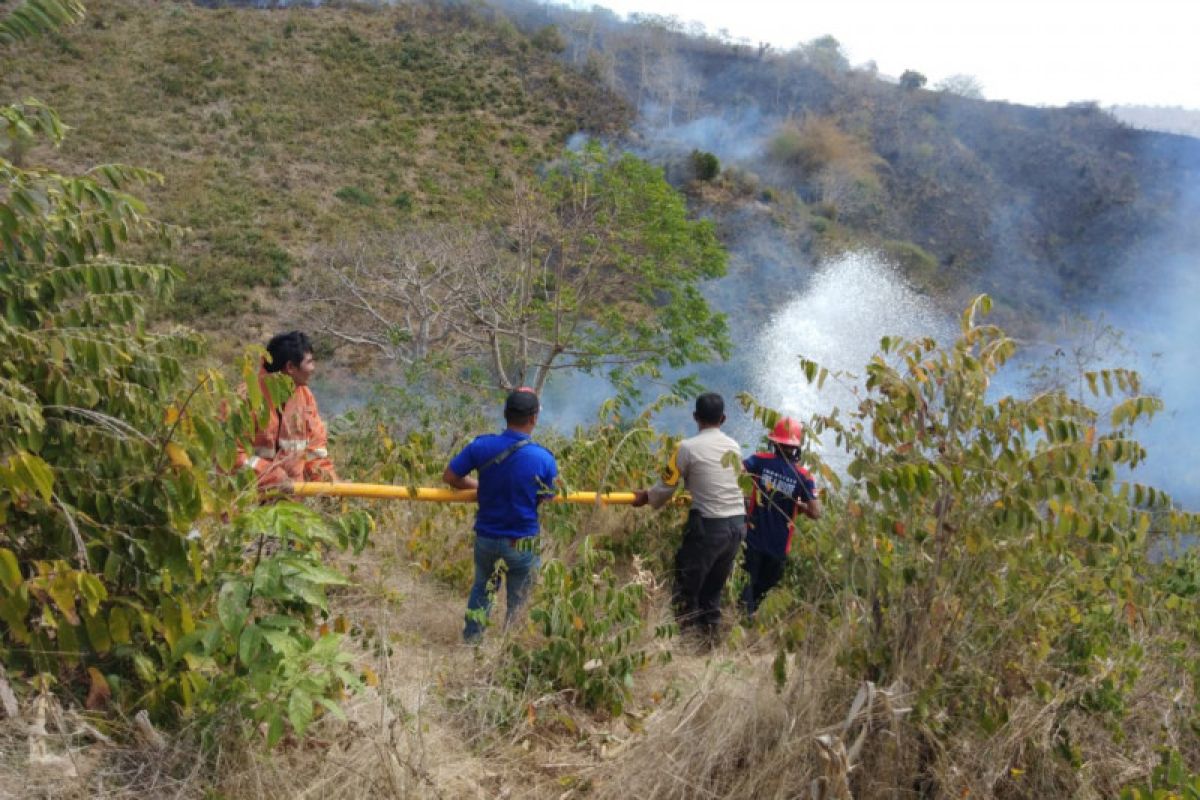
[(1038, 52)]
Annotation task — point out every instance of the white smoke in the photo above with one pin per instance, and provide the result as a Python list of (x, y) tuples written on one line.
[(1163, 329)]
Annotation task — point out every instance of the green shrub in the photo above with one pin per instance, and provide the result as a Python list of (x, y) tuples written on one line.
[(355, 196), (826, 211), (994, 549), (911, 80), (259, 641), (120, 580), (705, 166), (548, 39), (818, 143), (1170, 780), (587, 625), (917, 264)]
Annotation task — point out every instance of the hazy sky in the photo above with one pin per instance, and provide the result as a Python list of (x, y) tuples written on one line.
[(1041, 52)]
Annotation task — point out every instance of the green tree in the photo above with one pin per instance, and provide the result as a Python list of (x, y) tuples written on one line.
[(705, 166), (825, 54), (911, 80), (608, 274), (118, 579), (962, 85)]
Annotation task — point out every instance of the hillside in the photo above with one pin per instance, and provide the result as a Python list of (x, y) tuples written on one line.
[(284, 132), (279, 130), (1040, 206)]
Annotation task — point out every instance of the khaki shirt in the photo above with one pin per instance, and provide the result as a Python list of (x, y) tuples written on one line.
[(710, 474)]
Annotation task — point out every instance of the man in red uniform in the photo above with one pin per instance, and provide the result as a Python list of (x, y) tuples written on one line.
[(292, 445), (782, 489)]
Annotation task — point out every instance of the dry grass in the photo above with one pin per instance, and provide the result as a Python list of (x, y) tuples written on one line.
[(257, 119), (705, 725), (819, 143)]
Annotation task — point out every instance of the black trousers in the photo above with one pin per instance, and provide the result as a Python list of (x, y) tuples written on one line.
[(702, 565), (763, 572)]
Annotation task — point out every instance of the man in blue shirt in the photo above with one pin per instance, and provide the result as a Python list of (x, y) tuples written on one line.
[(782, 489), (514, 475)]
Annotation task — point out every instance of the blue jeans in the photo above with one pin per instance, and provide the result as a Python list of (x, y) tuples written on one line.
[(520, 564)]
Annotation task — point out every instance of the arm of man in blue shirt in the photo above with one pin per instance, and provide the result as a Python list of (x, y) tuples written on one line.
[(459, 481)]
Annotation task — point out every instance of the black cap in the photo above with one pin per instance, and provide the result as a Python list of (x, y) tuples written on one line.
[(522, 402)]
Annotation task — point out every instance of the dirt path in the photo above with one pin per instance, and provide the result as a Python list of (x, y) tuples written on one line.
[(428, 724)]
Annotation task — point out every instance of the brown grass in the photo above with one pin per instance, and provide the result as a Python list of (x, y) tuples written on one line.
[(258, 118), (818, 143), (705, 725)]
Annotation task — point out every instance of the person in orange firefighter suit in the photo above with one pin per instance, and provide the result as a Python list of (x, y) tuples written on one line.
[(292, 446)]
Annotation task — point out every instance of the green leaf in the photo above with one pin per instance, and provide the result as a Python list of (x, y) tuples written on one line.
[(10, 570), (93, 591), (300, 710), (284, 643), (62, 589), (144, 668), (249, 645), (34, 474), (275, 729), (321, 575), (118, 626), (233, 605), (333, 708), (98, 633)]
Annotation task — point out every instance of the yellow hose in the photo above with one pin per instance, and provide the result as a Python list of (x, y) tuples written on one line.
[(383, 491)]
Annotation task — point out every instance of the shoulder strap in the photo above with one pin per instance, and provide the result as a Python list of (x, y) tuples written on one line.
[(503, 454)]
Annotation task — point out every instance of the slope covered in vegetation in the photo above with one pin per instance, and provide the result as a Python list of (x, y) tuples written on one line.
[(280, 130), (286, 131), (1035, 205)]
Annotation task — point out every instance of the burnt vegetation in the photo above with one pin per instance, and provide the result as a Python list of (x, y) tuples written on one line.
[(1013, 198)]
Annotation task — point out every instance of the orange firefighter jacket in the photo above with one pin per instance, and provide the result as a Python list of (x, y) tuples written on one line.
[(293, 444)]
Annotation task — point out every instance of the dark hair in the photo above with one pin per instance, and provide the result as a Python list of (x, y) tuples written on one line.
[(521, 406), (710, 408), (288, 348)]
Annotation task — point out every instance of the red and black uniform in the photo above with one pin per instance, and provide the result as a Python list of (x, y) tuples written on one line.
[(778, 485)]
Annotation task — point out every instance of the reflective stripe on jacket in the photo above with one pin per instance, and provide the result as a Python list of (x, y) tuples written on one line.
[(293, 444)]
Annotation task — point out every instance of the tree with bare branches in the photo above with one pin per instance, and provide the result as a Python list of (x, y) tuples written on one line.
[(596, 268), (401, 294)]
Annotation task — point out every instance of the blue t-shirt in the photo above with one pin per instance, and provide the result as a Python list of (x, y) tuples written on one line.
[(778, 484), (509, 491)]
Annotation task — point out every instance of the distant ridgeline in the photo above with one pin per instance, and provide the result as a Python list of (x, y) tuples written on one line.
[(1169, 119)]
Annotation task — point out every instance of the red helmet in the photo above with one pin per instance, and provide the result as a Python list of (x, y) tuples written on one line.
[(788, 432)]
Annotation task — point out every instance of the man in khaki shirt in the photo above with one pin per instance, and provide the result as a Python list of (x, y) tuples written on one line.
[(708, 464)]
